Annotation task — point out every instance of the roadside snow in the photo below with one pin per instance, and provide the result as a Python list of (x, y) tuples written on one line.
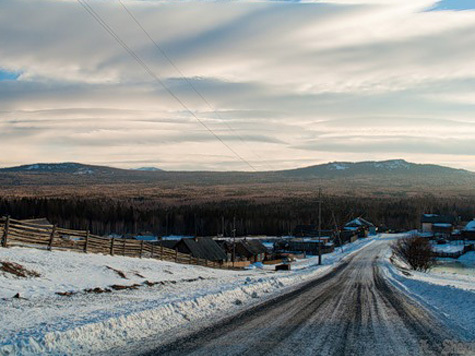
[(452, 296), (185, 298)]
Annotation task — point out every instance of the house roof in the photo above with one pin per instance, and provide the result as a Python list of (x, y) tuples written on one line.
[(255, 247), (470, 226), (359, 222), (204, 247), (437, 219)]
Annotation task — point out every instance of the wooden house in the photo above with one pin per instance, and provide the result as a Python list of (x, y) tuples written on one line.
[(361, 227), (201, 247), (253, 250), (244, 249)]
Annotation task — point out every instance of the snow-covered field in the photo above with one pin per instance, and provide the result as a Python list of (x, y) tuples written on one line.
[(168, 300)]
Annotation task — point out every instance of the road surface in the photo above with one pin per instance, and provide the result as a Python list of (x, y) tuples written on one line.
[(351, 311)]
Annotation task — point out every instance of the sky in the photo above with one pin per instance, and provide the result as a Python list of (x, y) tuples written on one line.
[(279, 84)]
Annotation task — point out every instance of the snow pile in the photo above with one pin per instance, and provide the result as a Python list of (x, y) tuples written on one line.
[(178, 299)]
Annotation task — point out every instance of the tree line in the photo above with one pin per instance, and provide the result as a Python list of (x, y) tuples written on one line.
[(104, 216)]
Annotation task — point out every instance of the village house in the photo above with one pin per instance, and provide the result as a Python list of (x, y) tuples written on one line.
[(199, 247), (468, 232), (362, 227), (440, 225), (252, 250)]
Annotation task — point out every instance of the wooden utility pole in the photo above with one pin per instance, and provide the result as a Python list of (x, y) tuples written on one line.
[(320, 226)]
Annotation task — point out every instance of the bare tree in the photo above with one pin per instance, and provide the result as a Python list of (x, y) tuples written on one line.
[(416, 251)]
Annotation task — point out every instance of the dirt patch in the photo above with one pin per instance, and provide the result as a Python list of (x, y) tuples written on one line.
[(121, 287), (17, 270), (151, 284), (97, 290), (119, 272)]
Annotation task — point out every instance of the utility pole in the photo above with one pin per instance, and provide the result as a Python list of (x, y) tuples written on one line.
[(320, 226), (234, 239)]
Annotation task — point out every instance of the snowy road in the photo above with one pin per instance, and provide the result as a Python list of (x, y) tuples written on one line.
[(351, 311)]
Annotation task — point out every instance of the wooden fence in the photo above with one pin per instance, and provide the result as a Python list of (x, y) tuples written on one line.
[(20, 233)]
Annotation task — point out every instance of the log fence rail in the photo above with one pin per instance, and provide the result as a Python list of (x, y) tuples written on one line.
[(18, 233)]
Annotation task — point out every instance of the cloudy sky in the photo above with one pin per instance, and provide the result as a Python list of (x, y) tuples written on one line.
[(282, 84)]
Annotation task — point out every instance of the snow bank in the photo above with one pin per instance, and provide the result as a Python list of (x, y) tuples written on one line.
[(185, 299), (451, 296)]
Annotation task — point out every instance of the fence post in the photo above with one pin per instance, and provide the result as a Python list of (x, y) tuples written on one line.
[(5, 232), (176, 255), (161, 251), (141, 248), (153, 247), (112, 247), (191, 257), (51, 237), (123, 247), (85, 242)]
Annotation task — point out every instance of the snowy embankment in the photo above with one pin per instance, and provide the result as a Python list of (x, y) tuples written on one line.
[(449, 295), (95, 314)]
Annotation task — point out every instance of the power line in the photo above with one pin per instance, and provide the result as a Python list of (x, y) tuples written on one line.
[(185, 78), (147, 69)]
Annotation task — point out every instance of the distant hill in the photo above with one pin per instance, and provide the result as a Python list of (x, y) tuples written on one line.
[(67, 167), (333, 169), (376, 168), (371, 178)]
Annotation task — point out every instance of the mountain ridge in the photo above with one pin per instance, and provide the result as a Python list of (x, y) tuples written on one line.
[(324, 168)]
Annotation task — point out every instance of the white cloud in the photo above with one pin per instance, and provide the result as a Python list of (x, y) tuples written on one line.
[(299, 83)]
